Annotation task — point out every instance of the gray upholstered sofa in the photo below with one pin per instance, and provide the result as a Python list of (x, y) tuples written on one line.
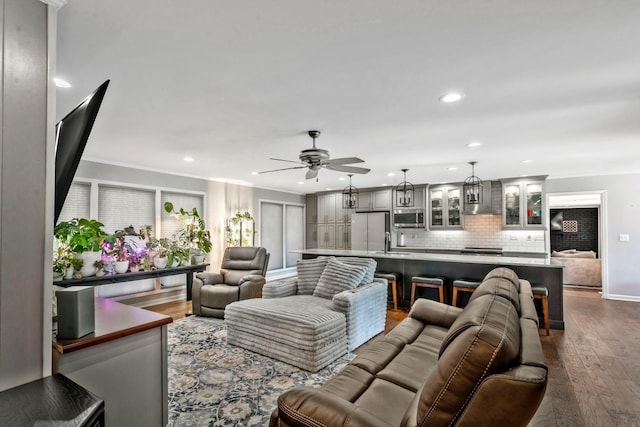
[(581, 268), (442, 366), (333, 306)]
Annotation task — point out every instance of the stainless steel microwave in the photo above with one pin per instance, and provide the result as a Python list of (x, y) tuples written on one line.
[(408, 218)]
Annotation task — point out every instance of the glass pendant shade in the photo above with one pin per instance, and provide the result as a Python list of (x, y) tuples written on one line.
[(472, 188), (404, 192), (350, 196)]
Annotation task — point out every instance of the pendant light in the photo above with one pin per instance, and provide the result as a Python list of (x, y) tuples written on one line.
[(404, 192), (472, 188), (350, 196)]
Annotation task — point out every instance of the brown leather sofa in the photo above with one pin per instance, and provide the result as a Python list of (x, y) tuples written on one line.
[(442, 366), (241, 277)]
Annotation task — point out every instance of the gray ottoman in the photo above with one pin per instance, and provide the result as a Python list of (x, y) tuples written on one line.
[(301, 330)]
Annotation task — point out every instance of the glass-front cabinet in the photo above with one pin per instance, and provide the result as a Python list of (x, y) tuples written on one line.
[(523, 203), (445, 207)]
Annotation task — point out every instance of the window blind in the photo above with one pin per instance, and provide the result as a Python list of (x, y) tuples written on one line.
[(169, 224), (294, 233), (77, 204), (271, 233), (120, 207)]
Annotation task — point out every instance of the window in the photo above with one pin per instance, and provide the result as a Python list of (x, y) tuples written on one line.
[(77, 204), (281, 230), (120, 207), (169, 224)]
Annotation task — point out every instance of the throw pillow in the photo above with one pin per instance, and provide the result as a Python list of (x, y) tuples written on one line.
[(369, 263), (309, 271), (338, 277)]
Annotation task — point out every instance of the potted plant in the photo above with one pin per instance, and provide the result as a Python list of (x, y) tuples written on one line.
[(240, 229), (65, 262), (194, 234), (84, 238), (158, 252), (100, 266), (119, 249)]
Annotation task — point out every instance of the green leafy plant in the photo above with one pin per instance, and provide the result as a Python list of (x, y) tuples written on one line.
[(80, 234), (63, 258), (194, 234), (237, 234)]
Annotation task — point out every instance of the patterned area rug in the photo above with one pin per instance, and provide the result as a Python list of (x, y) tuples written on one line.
[(215, 384)]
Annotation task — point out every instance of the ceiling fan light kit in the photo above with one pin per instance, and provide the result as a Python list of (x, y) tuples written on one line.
[(472, 188), (404, 192), (316, 158), (350, 196)]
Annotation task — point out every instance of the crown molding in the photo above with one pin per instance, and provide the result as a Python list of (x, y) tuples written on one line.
[(55, 3)]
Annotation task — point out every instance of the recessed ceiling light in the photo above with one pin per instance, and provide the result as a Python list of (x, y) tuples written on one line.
[(328, 188), (341, 178), (391, 174), (254, 173), (451, 97), (188, 159), (526, 161), (383, 185), (474, 144), (61, 82), (300, 182), (452, 168)]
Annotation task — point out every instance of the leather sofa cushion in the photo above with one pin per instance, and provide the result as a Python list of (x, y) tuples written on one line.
[(501, 287), (350, 384), (385, 401), (484, 339), (504, 273), (244, 258), (218, 296)]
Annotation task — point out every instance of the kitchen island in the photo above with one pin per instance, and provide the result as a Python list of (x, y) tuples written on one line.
[(539, 271)]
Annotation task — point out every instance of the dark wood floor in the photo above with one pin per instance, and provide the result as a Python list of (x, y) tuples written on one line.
[(594, 364)]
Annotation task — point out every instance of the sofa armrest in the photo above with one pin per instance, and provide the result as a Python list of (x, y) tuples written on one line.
[(306, 406), (251, 286), (434, 312), (196, 291), (365, 308), (210, 278), (280, 288)]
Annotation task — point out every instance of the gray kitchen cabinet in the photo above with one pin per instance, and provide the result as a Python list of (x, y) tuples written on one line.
[(374, 200), (523, 203), (343, 236), (327, 236), (326, 208), (418, 198), (312, 208), (445, 207), (312, 236)]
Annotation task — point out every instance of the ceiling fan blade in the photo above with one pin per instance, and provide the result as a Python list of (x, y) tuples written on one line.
[(283, 169), (311, 173), (348, 169), (342, 161), (283, 160)]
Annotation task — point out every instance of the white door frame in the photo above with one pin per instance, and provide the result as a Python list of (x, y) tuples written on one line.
[(602, 230)]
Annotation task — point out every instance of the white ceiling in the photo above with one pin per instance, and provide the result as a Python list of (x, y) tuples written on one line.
[(233, 83)]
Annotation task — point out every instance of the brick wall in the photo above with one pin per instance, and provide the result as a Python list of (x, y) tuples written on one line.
[(586, 238)]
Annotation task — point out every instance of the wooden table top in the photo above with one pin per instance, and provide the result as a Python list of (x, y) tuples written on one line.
[(113, 320)]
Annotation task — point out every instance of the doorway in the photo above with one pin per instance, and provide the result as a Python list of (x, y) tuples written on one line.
[(577, 236)]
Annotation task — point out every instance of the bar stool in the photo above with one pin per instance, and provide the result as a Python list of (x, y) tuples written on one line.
[(541, 292), (427, 282), (392, 278), (462, 285)]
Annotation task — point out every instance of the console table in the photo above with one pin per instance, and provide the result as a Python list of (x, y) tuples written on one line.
[(139, 275), (50, 401), (124, 361)]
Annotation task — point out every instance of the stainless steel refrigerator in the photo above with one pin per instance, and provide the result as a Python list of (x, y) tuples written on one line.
[(368, 230)]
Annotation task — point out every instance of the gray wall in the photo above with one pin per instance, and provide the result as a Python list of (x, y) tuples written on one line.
[(622, 216), (94, 170), (25, 208), (222, 199)]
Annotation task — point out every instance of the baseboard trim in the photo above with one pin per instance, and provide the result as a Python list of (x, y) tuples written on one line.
[(153, 297), (629, 298)]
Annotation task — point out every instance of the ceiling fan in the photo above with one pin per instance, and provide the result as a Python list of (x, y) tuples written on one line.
[(315, 159)]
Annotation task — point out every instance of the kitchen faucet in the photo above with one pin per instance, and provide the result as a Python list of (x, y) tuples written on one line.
[(387, 241)]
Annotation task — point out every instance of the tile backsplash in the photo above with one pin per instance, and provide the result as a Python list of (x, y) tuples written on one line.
[(479, 231)]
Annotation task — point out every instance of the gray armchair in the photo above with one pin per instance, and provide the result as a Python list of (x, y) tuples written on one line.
[(241, 277)]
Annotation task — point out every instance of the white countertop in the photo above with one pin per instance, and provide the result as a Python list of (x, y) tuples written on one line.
[(467, 259)]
